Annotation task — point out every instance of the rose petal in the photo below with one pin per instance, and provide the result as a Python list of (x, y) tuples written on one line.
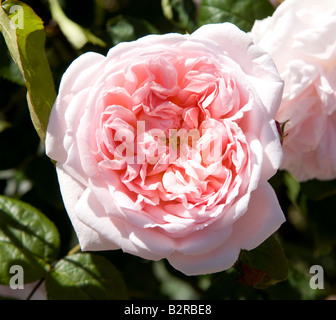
[(263, 218)]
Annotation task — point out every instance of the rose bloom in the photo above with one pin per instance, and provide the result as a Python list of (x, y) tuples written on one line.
[(300, 37), (164, 147)]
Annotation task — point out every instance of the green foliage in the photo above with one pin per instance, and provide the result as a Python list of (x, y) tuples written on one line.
[(122, 29), (8, 69), (181, 13), (27, 238), (265, 265), (85, 276), (41, 240), (242, 13), (26, 46), (76, 35)]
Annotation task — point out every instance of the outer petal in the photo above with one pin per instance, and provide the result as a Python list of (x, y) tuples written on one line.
[(57, 125), (81, 73), (55, 133), (222, 258), (263, 218), (252, 59), (114, 233), (72, 191), (272, 149), (203, 240)]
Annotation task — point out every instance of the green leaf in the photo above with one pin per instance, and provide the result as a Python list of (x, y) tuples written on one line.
[(8, 69), (227, 285), (27, 238), (293, 187), (242, 13), (125, 28), (76, 34), (180, 13), (265, 265), (25, 38), (85, 276)]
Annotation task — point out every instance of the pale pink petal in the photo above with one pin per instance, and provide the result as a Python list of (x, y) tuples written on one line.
[(72, 192), (222, 258), (263, 218)]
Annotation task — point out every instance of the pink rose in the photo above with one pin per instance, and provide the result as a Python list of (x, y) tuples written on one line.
[(164, 147), (300, 37)]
